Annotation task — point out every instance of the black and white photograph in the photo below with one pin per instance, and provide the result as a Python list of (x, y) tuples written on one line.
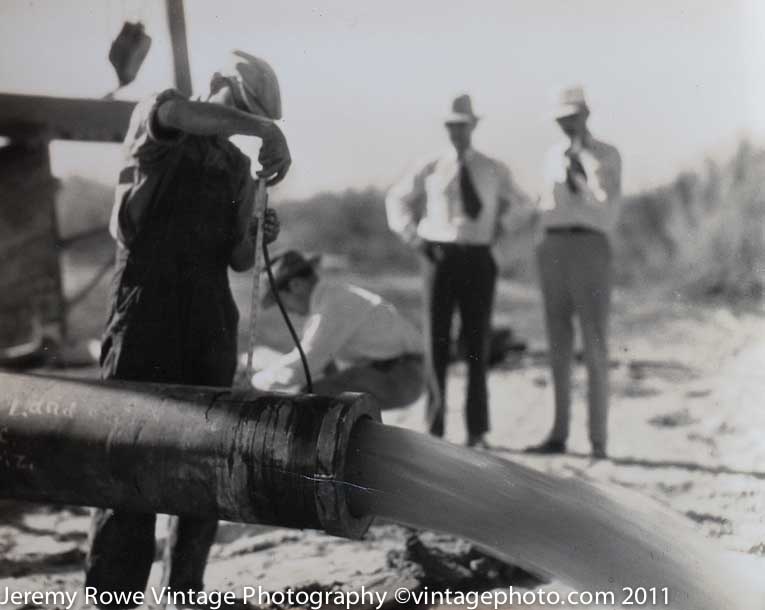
[(376, 305)]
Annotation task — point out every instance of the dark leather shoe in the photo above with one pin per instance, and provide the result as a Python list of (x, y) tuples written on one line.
[(599, 452), (548, 447), (477, 441)]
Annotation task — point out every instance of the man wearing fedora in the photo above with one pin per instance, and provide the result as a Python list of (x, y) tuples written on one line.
[(182, 215), (450, 210), (574, 257), (353, 339)]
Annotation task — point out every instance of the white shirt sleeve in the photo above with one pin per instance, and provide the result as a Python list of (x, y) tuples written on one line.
[(609, 173), (554, 176), (325, 332), (514, 203), (405, 202)]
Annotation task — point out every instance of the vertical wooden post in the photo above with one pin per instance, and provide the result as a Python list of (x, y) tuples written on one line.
[(176, 21), (31, 298)]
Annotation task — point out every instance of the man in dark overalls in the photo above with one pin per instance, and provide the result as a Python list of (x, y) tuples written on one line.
[(183, 214)]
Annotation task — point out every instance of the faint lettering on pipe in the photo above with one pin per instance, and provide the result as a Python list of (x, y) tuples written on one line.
[(15, 461), (41, 408), (9, 459)]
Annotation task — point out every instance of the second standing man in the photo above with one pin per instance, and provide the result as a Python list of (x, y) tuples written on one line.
[(578, 216)]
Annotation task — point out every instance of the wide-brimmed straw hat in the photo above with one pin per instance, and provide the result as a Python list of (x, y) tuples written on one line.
[(285, 267), (462, 111)]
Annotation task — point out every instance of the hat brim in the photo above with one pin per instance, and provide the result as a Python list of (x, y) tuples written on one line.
[(458, 117), (568, 110), (269, 299)]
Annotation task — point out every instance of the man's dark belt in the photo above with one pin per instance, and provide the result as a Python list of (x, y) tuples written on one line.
[(459, 245), (571, 229), (386, 365)]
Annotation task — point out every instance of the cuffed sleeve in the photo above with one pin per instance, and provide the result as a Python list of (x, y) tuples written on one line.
[(610, 174), (149, 142), (513, 203), (510, 194)]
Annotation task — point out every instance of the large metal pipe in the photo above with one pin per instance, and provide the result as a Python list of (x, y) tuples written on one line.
[(233, 454)]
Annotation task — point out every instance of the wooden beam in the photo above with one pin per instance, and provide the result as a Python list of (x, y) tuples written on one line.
[(64, 118)]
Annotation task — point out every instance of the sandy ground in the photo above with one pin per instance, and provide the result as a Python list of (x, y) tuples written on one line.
[(686, 429)]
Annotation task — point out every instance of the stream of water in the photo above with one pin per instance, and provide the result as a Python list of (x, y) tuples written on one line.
[(589, 537)]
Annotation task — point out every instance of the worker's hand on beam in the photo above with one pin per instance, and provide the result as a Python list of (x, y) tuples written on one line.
[(274, 157)]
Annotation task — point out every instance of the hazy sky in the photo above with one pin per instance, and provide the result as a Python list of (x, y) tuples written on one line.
[(365, 84)]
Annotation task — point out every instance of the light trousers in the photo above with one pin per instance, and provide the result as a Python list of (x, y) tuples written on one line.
[(575, 276)]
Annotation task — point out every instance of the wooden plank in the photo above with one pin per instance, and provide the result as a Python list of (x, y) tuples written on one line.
[(64, 118)]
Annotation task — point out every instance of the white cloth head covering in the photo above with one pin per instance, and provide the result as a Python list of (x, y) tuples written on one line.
[(256, 83)]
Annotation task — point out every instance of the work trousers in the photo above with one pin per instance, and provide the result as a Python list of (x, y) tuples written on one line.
[(121, 542), (458, 277), (575, 276), (392, 383), (122, 551)]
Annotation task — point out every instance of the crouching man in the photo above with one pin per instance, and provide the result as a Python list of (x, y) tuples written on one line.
[(353, 339)]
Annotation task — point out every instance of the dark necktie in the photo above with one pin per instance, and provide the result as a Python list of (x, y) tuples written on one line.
[(574, 168), (471, 202)]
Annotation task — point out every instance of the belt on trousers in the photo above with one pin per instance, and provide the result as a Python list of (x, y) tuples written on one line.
[(459, 245), (572, 229), (386, 365)]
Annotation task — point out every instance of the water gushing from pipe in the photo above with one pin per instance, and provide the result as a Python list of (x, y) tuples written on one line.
[(590, 538)]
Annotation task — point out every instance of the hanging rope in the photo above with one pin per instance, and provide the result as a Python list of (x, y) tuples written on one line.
[(285, 315), (262, 259)]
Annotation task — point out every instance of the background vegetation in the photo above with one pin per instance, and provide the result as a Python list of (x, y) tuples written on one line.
[(702, 235)]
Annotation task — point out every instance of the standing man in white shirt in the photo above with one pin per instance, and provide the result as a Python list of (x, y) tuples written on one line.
[(353, 339), (574, 256), (450, 210)]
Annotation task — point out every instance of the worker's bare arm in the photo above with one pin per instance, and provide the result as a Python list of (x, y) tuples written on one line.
[(205, 119)]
